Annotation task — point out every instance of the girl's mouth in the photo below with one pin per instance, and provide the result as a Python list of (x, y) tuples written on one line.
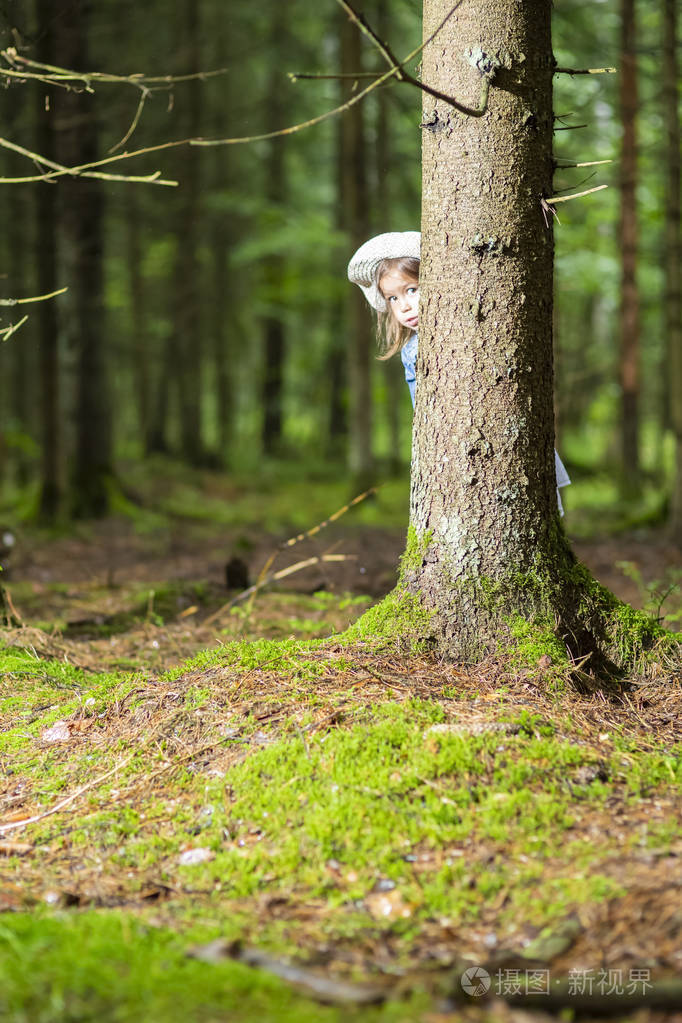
[(412, 321)]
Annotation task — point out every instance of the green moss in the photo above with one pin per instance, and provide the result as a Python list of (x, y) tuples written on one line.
[(114, 967), (534, 640), (415, 549), (567, 606), (400, 616)]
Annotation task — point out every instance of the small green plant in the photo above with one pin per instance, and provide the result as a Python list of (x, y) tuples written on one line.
[(653, 595)]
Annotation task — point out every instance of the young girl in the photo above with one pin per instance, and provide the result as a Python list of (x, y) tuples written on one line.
[(386, 268)]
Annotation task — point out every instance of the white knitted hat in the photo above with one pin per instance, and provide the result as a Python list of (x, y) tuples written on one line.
[(363, 266)]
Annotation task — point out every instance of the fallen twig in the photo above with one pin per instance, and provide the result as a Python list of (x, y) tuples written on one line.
[(282, 574), (323, 989), (14, 825)]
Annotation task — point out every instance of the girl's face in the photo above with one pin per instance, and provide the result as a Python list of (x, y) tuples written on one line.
[(401, 293)]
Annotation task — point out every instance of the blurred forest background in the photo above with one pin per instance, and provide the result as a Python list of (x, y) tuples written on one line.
[(210, 328)]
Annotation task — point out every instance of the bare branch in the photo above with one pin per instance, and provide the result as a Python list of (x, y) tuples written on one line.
[(366, 30), (88, 169), (403, 76), (296, 76), (84, 171), (51, 74), (575, 195), (134, 123), (585, 71), (587, 163), (33, 298), (6, 332)]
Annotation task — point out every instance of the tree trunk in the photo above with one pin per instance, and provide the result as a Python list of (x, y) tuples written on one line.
[(21, 397), (273, 274), (486, 553), (51, 487), (221, 332), (672, 257), (337, 359), (80, 222), (392, 368), (629, 308), (356, 220), (139, 346), (274, 264), (186, 343)]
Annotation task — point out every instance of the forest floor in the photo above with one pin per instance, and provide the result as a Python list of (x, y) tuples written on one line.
[(198, 790)]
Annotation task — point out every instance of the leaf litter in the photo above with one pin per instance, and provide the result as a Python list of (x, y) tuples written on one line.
[(155, 747)]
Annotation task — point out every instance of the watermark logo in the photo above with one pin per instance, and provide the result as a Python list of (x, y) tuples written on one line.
[(517, 983), (475, 981)]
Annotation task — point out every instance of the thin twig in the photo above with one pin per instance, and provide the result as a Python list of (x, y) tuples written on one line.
[(274, 577), (587, 163), (332, 518), (585, 71), (87, 169), (55, 74), (13, 328), (307, 534), (4, 828), (403, 76), (34, 298), (575, 195), (296, 76), (135, 121), (384, 681), (84, 171)]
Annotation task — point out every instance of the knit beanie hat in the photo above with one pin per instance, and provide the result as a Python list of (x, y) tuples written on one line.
[(363, 266)]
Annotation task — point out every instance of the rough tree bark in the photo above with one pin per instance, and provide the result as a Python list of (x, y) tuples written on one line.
[(486, 550), (629, 301)]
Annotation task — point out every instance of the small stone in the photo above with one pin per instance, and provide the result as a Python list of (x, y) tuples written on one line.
[(59, 732), (190, 857)]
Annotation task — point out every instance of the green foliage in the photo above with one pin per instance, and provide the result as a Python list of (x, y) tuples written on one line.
[(657, 593), (114, 967)]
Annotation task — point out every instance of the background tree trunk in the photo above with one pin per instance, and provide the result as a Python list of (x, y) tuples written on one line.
[(17, 238), (672, 257), (51, 488), (356, 211), (139, 340), (186, 343), (383, 209), (80, 221), (274, 264), (629, 308)]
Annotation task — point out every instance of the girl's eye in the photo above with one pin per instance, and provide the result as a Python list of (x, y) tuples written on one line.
[(391, 298), (411, 291)]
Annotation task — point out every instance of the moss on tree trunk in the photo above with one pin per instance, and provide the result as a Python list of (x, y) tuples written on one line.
[(486, 546)]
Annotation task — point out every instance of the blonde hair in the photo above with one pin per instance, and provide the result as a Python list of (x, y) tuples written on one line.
[(391, 335)]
